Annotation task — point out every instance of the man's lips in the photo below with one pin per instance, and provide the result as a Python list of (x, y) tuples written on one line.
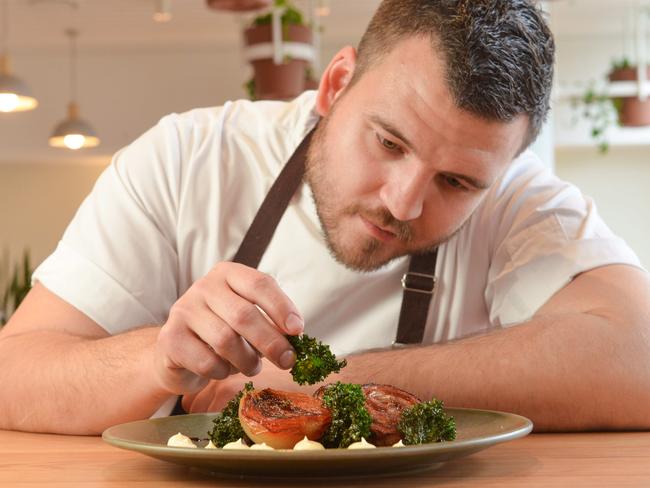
[(377, 231)]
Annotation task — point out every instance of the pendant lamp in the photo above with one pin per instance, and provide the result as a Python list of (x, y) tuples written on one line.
[(73, 132), (15, 95)]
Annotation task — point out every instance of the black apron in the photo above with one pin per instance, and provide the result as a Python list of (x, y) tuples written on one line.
[(418, 282)]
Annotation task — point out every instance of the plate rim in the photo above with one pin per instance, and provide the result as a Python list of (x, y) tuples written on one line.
[(445, 446)]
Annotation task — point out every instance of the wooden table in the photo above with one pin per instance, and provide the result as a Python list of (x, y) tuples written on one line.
[(541, 460)]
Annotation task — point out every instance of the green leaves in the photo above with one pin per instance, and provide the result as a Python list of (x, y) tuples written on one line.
[(350, 418), (291, 15), (426, 422), (16, 287), (314, 360), (227, 427)]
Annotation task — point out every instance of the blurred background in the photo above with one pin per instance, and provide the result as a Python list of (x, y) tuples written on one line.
[(127, 63)]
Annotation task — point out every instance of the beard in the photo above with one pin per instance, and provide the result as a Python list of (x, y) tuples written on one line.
[(357, 252)]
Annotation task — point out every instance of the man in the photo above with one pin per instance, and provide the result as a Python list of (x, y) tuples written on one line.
[(420, 146)]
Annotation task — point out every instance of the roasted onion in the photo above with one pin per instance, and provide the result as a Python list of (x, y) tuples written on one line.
[(385, 403), (282, 418)]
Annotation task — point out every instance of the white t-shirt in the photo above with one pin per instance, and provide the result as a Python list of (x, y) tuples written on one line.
[(180, 198)]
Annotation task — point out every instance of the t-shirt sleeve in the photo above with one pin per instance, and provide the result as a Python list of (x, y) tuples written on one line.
[(545, 233), (117, 260)]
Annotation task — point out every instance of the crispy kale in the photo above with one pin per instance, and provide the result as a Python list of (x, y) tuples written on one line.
[(314, 360), (426, 422), (226, 424), (350, 418)]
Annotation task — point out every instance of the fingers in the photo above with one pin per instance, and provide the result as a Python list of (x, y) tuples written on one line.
[(246, 320), (222, 325), (228, 344), (262, 290)]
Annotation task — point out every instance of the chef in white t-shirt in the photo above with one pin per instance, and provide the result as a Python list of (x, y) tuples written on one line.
[(417, 147)]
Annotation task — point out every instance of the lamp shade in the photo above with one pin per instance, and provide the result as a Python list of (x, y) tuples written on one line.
[(74, 132), (15, 95)]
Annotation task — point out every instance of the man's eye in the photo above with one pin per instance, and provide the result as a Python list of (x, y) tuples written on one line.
[(455, 183), (390, 145)]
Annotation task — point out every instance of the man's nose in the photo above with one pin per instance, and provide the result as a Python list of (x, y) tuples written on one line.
[(404, 192)]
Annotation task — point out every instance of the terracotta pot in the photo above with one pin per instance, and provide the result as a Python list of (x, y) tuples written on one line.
[(238, 5), (283, 81), (632, 112)]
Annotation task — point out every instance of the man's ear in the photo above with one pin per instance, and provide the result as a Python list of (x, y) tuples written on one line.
[(335, 78)]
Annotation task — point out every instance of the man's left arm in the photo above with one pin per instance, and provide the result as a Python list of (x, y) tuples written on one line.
[(582, 362)]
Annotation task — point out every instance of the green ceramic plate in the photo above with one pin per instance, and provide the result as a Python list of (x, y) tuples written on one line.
[(477, 429)]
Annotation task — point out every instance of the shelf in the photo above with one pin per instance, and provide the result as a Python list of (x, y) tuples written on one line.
[(613, 89), (579, 136)]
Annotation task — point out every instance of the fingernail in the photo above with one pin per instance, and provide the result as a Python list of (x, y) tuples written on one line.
[(287, 359), (294, 324)]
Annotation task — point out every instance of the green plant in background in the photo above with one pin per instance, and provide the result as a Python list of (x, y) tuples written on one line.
[(601, 113), (621, 63), (291, 15), (14, 284)]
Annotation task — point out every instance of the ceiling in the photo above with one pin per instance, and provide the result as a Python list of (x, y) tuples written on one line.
[(38, 24)]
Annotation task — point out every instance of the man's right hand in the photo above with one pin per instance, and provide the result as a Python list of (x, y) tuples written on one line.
[(222, 325)]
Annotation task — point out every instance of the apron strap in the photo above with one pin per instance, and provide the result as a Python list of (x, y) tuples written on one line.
[(419, 284), (268, 216)]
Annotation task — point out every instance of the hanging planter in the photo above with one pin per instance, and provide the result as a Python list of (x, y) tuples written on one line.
[(279, 46), (632, 111)]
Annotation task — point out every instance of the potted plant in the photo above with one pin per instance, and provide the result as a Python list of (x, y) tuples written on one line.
[(632, 112), (283, 78), (14, 286), (603, 111)]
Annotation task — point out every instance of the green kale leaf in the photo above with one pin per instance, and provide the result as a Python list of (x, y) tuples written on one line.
[(350, 418), (314, 360), (426, 422), (227, 427)]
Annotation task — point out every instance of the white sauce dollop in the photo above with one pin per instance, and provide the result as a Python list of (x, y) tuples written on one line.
[(262, 447), (238, 444), (399, 443), (307, 445), (180, 440), (210, 445), (363, 444)]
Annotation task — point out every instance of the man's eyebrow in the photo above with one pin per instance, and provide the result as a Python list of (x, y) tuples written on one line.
[(391, 129), (475, 182)]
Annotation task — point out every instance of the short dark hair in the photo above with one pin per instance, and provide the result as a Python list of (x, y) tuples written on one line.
[(498, 54)]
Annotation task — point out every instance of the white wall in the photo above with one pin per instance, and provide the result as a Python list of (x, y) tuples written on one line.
[(619, 181)]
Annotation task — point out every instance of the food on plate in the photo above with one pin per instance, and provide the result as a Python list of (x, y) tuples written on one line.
[(238, 444), (280, 418), (362, 444), (338, 415), (350, 418), (262, 447), (426, 422), (227, 427), (180, 440), (210, 445), (307, 445), (314, 360), (385, 403)]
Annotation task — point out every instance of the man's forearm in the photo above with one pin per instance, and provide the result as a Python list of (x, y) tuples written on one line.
[(570, 372), (77, 386)]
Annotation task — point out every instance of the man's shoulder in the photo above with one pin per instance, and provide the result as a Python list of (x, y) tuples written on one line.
[(246, 118)]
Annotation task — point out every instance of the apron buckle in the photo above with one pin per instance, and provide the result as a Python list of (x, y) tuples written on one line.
[(419, 282)]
